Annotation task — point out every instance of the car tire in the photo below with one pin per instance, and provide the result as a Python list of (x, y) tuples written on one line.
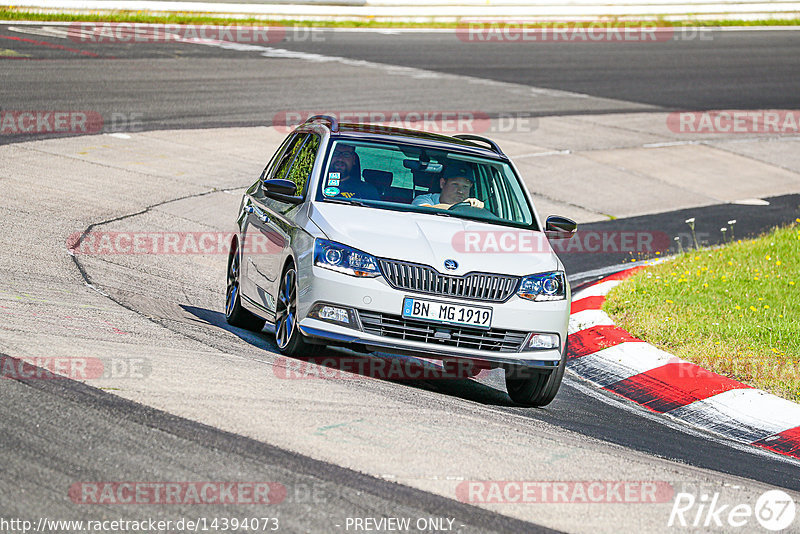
[(534, 387), (235, 314), (288, 337)]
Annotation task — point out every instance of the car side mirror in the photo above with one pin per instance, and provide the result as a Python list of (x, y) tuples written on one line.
[(557, 227), (283, 190)]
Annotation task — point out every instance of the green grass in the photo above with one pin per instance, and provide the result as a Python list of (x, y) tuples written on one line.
[(11, 13), (734, 310)]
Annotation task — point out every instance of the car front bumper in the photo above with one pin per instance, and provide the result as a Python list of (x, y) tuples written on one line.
[(375, 295)]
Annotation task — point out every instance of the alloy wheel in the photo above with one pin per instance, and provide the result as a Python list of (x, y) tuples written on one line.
[(286, 309)]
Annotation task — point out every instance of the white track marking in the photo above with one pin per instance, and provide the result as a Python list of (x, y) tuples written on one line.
[(396, 31), (676, 424), (596, 290), (587, 319), (742, 408), (621, 361)]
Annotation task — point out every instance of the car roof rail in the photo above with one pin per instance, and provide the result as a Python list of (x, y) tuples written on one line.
[(332, 120), (471, 137)]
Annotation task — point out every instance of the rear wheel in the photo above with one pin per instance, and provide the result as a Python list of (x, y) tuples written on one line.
[(535, 387), (288, 337), (234, 313)]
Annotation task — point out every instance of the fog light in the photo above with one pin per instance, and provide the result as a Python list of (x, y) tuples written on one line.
[(334, 314), (542, 341), (331, 313)]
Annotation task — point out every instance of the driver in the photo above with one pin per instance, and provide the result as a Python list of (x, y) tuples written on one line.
[(456, 183)]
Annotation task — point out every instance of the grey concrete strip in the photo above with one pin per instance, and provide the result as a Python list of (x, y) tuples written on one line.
[(119, 437)]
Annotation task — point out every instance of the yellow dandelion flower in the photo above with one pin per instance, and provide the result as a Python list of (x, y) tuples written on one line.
[(730, 263), (752, 308), (760, 298), (670, 302), (768, 257), (737, 307), (705, 285), (766, 306), (778, 262)]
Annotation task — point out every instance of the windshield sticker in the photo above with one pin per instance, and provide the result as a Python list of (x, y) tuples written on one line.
[(333, 182), (330, 191)]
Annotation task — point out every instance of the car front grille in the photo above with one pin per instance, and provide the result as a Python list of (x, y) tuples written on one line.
[(424, 279), (398, 327)]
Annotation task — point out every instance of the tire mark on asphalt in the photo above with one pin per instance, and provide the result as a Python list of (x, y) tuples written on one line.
[(55, 46)]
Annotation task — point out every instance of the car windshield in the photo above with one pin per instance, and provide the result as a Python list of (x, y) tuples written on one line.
[(411, 178)]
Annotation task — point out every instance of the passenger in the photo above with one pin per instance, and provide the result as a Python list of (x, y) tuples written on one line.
[(348, 184), (456, 183)]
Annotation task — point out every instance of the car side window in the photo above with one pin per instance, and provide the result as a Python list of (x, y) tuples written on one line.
[(303, 163), (275, 158), (288, 156)]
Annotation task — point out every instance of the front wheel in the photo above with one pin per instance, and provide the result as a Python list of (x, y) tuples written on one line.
[(288, 337), (535, 387)]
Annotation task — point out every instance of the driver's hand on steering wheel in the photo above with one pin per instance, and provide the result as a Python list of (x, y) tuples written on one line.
[(474, 202)]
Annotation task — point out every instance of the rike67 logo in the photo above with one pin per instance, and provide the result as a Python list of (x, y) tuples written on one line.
[(774, 510)]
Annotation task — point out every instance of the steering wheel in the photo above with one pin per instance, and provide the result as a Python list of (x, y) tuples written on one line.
[(468, 209), (459, 205)]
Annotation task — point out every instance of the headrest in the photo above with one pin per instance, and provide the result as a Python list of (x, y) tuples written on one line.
[(378, 178)]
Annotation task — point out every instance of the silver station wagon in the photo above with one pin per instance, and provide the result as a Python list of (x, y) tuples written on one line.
[(402, 242)]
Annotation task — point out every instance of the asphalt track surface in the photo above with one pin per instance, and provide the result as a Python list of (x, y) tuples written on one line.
[(176, 85), (185, 86)]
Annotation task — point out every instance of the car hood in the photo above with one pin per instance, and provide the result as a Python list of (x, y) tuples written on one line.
[(431, 239)]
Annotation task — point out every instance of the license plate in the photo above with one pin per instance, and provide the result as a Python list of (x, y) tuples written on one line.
[(442, 312)]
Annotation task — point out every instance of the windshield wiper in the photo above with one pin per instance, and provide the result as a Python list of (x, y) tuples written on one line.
[(442, 213), (349, 202)]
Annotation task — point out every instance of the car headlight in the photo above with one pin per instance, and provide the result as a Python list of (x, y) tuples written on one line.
[(544, 286), (344, 259)]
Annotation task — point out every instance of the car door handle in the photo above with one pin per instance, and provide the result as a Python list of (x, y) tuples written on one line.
[(260, 215)]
